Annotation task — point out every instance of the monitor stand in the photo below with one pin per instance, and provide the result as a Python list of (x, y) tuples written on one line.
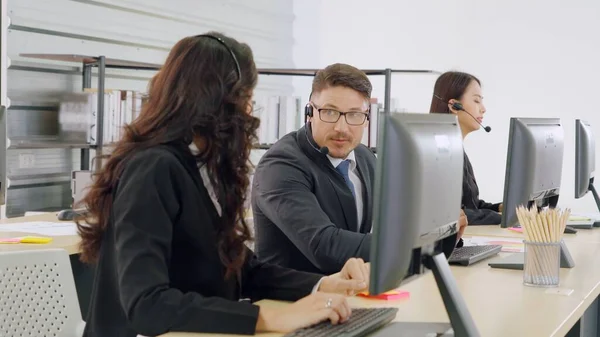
[(516, 261), (597, 199), (461, 322), (460, 318)]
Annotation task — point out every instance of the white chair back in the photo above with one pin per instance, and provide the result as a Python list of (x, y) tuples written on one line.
[(37, 294)]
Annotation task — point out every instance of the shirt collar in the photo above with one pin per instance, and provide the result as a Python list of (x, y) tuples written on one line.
[(195, 150), (336, 161)]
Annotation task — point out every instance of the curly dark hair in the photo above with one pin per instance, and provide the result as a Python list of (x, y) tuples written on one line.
[(197, 94)]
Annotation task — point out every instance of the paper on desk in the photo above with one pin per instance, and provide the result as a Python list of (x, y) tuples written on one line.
[(42, 228), (590, 216), (510, 245)]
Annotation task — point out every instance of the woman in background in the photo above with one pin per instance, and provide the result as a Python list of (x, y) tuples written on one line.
[(166, 217), (460, 93)]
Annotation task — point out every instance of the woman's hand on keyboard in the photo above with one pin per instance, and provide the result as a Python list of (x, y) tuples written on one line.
[(308, 311)]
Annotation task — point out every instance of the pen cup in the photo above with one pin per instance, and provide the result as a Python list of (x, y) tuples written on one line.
[(542, 264)]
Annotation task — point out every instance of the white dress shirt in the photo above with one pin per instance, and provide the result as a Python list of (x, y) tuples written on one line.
[(353, 174)]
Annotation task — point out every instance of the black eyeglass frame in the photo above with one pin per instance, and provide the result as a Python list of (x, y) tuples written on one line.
[(366, 114)]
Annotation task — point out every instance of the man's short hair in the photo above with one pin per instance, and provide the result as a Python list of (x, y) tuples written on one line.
[(344, 75)]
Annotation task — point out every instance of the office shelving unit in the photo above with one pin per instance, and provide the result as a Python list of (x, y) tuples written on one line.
[(89, 62), (102, 63)]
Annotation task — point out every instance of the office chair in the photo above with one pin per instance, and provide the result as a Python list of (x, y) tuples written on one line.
[(37, 294)]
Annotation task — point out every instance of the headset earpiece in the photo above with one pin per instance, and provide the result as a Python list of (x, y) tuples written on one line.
[(308, 110), (457, 106)]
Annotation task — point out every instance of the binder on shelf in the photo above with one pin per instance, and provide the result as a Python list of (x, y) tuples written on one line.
[(259, 110), (120, 107), (279, 115), (289, 114), (373, 124), (272, 119)]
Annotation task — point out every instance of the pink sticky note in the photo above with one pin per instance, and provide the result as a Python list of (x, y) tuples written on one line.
[(10, 240), (516, 229), (390, 295)]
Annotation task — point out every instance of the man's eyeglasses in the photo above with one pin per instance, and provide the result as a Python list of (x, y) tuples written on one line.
[(329, 115)]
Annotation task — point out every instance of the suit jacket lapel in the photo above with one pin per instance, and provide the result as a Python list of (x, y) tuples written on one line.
[(367, 195)]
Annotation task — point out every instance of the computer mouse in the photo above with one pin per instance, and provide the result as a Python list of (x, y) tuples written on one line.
[(66, 214), (570, 230)]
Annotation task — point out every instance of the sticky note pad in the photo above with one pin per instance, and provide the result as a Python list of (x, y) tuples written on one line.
[(390, 295), (35, 239), (26, 239), (10, 240)]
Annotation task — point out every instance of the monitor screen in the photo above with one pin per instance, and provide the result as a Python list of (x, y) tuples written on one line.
[(418, 187), (533, 165)]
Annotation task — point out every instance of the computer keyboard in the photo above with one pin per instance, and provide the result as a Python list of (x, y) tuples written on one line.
[(362, 321), (468, 255)]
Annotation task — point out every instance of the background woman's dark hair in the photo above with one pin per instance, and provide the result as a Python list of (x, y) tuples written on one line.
[(450, 85), (198, 91)]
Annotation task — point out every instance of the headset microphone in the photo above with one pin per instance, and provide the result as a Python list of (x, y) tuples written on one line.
[(324, 150), (459, 106)]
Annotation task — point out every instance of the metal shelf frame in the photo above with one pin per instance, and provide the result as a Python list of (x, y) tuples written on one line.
[(102, 63)]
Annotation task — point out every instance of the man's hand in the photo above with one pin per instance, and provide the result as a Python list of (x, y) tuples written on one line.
[(462, 224), (352, 279)]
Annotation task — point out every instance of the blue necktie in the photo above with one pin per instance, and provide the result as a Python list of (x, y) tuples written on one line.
[(343, 169)]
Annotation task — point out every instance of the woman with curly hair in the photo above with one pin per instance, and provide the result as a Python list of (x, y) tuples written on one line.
[(165, 223)]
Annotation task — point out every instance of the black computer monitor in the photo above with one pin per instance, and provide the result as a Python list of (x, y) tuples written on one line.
[(585, 160), (417, 200), (533, 166)]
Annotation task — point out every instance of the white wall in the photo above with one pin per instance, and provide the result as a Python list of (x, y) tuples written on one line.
[(538, 59), (535, 58), (381, 35)]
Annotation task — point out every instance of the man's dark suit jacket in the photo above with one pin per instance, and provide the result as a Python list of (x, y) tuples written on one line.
[(478, 212), (159, 268), (304, 214)]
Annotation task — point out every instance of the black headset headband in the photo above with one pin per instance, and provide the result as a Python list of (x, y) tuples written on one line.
[(218, 39)]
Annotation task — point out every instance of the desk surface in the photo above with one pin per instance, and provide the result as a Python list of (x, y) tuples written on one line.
[(69, 243), (497, 299), (582, 235)]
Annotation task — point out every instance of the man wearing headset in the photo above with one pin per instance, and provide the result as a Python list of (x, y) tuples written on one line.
[(312, 193)]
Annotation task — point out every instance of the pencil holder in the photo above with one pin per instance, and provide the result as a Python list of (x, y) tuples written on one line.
[(542, 264)]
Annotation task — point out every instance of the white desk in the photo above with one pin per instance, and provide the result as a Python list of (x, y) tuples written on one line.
[(497, 299), (69, 243)]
